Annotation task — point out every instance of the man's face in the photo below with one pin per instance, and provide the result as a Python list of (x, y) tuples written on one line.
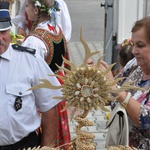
[(4, 40)]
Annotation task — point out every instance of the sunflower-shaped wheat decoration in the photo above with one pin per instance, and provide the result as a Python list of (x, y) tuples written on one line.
[(85, 88), (120, 147)]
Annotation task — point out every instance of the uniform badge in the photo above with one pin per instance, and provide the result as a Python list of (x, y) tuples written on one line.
[(18, 103)]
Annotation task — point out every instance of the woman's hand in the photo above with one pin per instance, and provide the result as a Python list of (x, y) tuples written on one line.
[(90, 62), (104, 67)]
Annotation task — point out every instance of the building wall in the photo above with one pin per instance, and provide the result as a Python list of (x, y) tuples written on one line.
[(14, 8), (147, 6), (125, 14)]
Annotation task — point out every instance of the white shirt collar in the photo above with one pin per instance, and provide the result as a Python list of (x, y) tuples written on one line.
[(7, 53)]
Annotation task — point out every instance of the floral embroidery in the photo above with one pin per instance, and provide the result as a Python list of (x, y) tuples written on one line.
[(145, 116), (142, 96)]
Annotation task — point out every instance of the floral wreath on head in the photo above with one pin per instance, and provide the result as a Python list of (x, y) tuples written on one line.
[(126, 42), (49, 10)]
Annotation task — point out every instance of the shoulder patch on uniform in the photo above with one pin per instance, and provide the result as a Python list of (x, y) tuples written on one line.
[(24, 49)]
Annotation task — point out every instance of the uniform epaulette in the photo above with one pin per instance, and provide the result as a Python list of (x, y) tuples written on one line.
[(24, 49)]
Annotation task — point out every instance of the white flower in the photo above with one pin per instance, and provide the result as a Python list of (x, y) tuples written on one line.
[(37, 3), (50, 11)]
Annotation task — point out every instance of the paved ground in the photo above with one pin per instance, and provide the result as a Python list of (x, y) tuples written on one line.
[(77, 52), (97, 117), (89, 15)]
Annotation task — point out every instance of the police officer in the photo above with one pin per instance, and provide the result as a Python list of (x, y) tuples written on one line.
[(20, 69)]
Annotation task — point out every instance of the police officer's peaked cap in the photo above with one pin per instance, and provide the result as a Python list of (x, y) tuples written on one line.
[(5, 21)]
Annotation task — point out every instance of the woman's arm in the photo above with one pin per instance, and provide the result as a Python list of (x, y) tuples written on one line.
[(132, 107)]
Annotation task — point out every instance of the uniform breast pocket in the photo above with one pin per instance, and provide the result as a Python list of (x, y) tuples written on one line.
[(18, 98)]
